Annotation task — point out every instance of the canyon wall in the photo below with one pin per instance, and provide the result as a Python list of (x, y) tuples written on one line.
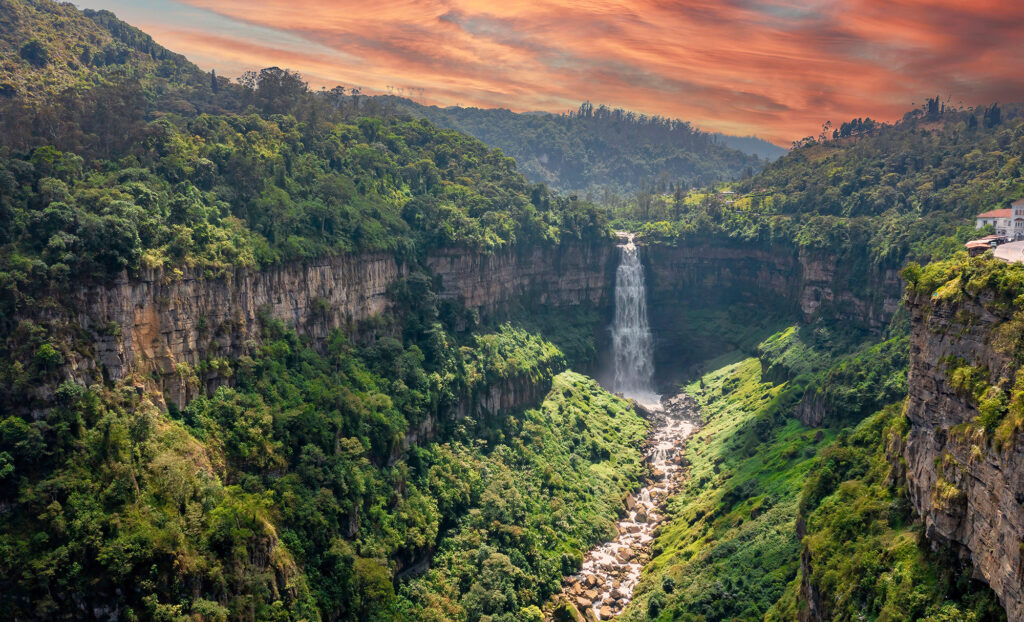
[(812, 284), (574, 273), (967, 488), (158, 327), (735, 277)]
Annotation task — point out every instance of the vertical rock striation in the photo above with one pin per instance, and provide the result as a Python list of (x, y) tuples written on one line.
[(158, 326), (968, 491)]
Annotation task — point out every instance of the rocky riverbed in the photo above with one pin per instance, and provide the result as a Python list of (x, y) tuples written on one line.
[(610, 572)]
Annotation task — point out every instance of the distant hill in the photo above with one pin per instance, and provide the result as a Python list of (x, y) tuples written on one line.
[(598, 148), (752, 145), (48, 47)]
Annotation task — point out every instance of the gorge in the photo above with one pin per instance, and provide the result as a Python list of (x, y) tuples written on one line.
[(269, 352)]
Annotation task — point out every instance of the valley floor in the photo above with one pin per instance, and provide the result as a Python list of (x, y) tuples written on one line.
[(610, 572)]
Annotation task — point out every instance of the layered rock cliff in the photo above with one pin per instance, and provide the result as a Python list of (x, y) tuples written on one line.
[(159, 327), (809, 283), (779, 280), (967, 487), (574, 273)]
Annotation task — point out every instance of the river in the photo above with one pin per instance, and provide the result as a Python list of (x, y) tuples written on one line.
[(610, 572)]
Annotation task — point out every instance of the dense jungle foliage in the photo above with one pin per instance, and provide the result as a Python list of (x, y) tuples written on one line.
[(875, 195), (143, 161), (294, 494), (600, 151)]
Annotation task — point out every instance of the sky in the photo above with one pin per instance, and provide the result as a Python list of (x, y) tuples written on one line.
[(774, 68)]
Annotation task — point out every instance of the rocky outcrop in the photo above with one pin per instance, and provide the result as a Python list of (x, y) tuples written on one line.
[(814, 607), (968, 490), (491, 399), (811, 409)]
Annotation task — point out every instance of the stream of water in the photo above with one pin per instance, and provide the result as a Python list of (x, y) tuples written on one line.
[(632, 343), (610, 572)]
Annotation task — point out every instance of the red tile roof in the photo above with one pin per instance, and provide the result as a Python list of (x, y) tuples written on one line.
[(997, 213)]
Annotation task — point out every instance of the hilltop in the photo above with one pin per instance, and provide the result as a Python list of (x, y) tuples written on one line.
[(599, 150)]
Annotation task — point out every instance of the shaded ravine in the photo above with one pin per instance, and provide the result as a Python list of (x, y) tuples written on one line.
[(610, 572)]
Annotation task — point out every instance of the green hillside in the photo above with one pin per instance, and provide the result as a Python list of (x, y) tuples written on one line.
[(371, 473), (600, 151)]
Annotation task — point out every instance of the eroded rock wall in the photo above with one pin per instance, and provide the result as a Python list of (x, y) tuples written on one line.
[(574, 273), (152, 325), (968, 490), (159, 327)]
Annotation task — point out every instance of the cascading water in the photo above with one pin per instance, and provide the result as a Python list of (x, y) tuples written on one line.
[(631, 334), (610, 572)]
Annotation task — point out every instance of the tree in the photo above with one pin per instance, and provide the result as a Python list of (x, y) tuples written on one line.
[(35, 53), (993, 116)]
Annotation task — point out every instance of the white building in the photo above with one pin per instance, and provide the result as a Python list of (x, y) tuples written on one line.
[(1002, 220), (1018, 219)]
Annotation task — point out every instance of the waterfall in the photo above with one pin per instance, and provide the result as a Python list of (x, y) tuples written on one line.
[(631, 335)]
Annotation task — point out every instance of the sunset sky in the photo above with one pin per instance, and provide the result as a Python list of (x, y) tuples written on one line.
[(774, 68)]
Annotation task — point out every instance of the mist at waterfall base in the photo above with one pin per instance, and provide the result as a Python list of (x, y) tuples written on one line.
[(632, 343)]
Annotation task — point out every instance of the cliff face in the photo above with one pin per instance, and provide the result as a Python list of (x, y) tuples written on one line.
[(160, 327), (574, 273), (809, 283), (154, 324), (781, 280), (968, 491), (828, 288)]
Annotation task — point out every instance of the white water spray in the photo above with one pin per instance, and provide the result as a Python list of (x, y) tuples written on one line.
[(631, 334)]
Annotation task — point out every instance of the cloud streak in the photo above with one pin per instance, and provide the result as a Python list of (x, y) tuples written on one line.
[(777, 68)]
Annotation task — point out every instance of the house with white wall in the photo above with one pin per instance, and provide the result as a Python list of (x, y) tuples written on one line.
[(1017, 220), (1001, 219)]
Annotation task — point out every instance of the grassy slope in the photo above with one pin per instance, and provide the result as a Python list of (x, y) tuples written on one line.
[(731, 546)]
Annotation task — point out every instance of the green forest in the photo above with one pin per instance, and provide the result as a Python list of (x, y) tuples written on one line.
[(604, 153), (441, 461)]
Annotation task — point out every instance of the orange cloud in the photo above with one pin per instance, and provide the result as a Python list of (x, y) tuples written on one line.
[(777, 68)]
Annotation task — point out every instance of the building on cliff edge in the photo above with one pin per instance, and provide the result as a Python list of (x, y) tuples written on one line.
[(1008, 222)]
